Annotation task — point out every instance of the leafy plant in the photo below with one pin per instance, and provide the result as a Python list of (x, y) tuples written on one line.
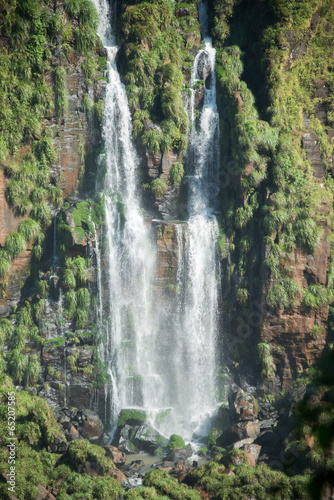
[(159, 187), (61, 91), (176, 173), (268, 365)]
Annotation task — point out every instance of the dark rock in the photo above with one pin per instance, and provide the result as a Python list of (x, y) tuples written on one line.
[(267, 424), (135, 466), (267, 438), (148, 439), (180, 454), (183, 12), (92, 425), (204, 69), (310, 142), (124, 442), (224, 416)]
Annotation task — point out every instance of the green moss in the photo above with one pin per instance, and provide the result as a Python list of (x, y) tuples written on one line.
[(131, 417), (169, 486), (176, 442), (81, 450)]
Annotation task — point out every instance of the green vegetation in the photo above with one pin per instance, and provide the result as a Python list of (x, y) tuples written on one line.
[(131, 417), (168, 486), (82, 450), (267, 361), (176, 442), (29, 30), (176, 173), (36, 429), (61, 91), (248, 482), (159, 187), (155, 43)]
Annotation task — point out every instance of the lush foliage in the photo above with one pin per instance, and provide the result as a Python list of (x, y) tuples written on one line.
[(154, 44)]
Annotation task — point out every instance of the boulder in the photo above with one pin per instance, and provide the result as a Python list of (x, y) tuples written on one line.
[(117, 456), (92, 425), (240, 444), (243, 406), (251, 459), (148, 439), (253, 449), (119, 476), (248, 429), (124, 442), (70, 431), (176, 454)]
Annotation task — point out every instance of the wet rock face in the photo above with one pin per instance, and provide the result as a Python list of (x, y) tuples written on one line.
[(291, 329), (204, 69), (310, 142), (81, 424)]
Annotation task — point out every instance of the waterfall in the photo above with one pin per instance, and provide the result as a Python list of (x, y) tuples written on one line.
[(188, 341), (130, 254), (158, 360)]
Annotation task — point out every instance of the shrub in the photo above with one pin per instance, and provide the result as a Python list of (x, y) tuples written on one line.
[(29, 229), (176, 173), (277, 296), (61, 91), (41, 212), (69, 279), (81, 318), (70, 303), (5, 263), (15, 244), (34, 369), (315, 296), (268, 365), (242, 296), (82, 450), (83, 298), (43, 289), (17, 364), (159, 187)]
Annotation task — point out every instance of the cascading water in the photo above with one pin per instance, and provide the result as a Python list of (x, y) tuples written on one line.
[(130, 255), (154, 365), (193, 338)]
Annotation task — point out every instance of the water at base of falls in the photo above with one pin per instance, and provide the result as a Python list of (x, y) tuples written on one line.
[(162, 363)]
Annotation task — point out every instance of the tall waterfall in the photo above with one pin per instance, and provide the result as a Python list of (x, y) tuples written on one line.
[(130, 254), (156, 364)]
